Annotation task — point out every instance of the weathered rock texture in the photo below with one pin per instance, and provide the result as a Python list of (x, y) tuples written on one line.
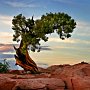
[(56, 77)]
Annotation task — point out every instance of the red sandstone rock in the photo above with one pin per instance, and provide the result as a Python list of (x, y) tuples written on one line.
[(40, 83), (16, 71), (6, 83), (28, 84), (41, 69), (79, 72), (81, 83), (86, 70), (56, 77)]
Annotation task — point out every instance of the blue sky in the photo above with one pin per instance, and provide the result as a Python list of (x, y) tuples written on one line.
[(72, 50)]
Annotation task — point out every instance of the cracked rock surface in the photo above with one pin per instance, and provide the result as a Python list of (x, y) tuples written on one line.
[(56, 77)]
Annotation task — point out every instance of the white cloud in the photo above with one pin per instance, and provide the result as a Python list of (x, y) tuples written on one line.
[(63, 47), (83, 28), (5, 34), (5, 27), (5, 20), (72, 41), (62, 41), (83, 25), (6, 37), (82, 41), (20, 4)]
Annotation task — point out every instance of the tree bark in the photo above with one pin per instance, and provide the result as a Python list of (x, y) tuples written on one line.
[(24, 60)]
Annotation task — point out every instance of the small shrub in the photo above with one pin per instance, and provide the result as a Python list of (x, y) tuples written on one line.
[(4, 67)]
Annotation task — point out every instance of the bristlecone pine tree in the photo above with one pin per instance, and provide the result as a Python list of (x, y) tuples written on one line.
[(30, 32)]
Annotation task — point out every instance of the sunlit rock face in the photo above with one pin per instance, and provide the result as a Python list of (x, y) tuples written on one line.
[(55, 77), (76, 77)]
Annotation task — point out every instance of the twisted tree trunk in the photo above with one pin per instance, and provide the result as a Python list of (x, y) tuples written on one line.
[(24, 60)]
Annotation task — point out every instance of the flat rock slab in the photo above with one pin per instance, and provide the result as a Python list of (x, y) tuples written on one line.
[(40, 83), (6, 83)]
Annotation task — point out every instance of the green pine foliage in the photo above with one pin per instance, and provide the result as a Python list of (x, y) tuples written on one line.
[(31, 31), (4, 67)]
